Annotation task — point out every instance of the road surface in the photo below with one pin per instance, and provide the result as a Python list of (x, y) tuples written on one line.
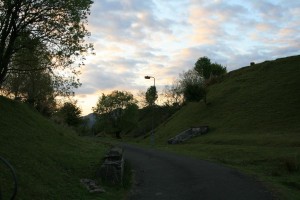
[(166, 176)]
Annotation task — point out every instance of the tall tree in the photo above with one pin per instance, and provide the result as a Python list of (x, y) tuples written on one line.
[(60, 25), (151, 95), (202, 66), (207, 69), (193, 87), (70, 114), (116, 111), (32, 79)]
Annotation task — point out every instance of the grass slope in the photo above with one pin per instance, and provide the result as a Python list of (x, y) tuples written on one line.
[(254, 117), (149, 117), (49, 160)]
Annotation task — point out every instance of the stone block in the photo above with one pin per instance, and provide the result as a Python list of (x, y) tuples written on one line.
[(112, 169), (188, 134)]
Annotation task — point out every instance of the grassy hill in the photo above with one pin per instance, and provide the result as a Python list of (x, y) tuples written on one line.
[(254, 120), (149, 117), (49, 160)]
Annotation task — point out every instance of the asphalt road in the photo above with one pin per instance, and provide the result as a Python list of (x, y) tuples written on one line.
[(166, 176)]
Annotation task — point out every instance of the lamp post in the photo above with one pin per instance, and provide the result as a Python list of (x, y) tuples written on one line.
[(152, 132), (148, 77)]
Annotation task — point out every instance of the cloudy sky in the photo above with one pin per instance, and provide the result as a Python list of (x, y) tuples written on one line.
[(162, 38)]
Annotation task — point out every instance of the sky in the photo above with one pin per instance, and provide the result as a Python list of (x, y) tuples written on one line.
[(163, 38)]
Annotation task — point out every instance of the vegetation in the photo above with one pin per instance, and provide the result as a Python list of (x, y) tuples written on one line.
[(116, 112), (149, 118), (207, 69), (151, 96), (253, 115), (49, 160), (192, 86), (42, 49), (194, 93), (58, 25), (69, 114), (30, 79), (173, 94)]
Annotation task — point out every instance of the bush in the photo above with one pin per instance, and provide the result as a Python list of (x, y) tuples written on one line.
[(194, 93), (207, 69)]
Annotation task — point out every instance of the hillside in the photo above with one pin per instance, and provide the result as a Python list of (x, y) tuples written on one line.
[(149, 117), (49, 160), (263, 99), (254, 120)]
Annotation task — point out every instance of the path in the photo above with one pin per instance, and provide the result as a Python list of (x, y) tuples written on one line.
[(166, 176)]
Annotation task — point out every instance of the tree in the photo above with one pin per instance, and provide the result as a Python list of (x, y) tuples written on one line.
[(116, 111), (173, 94), (59, 25), (217, 69), (194, 93), (192, 85), (70, 114), (202, 66), (141, 98), (32, 79), (190, 77), (151, 95), (207, 69)]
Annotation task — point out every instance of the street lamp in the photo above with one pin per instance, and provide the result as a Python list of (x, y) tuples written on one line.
[(152, 133), (148, 77)]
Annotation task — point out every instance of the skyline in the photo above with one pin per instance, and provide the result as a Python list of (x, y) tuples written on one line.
[(135, 38)]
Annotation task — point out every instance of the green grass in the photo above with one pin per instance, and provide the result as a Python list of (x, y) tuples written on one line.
[(148, 117), (254, 120), (49, 160)]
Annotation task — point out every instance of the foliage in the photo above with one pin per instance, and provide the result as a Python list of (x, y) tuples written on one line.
[(151, 96), (192, 85), (173, 94), (190, 77), (141, 98), (116, 111), (207, 69), (202, 66), (59, 25), (194, 93), (217, 69), (70, 114), (32, 80)]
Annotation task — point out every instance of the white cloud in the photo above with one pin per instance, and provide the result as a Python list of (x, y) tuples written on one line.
[(133, 38)]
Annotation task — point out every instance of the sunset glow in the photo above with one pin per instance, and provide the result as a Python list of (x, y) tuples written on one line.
[(134, 38)]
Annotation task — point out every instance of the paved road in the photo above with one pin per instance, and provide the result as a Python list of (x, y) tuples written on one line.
[(166, 176)]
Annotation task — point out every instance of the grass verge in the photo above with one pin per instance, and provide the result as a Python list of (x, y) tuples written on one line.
[(49, 160)]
